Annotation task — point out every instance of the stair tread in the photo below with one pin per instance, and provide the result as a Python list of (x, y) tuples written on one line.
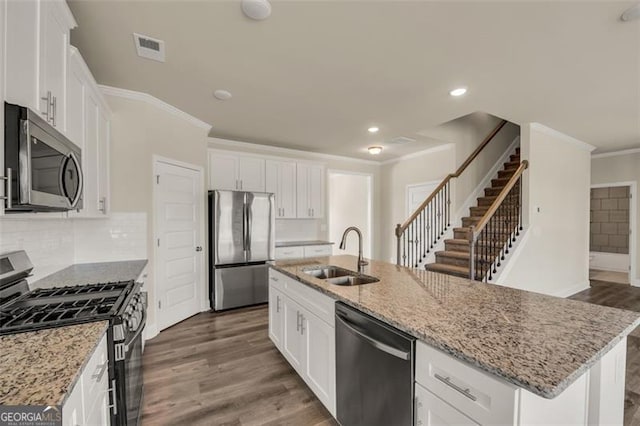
[(453, 253), (440, 267)]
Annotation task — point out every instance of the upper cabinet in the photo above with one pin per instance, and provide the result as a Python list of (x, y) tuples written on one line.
[(228, 171), (281, 180), (36, 57), (310, 191), (298, 186)]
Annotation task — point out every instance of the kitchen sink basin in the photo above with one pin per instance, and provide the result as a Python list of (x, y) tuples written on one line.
[(350, 280), (328, 271)]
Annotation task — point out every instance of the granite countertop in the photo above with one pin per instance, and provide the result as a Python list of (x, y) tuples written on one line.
[(537, 342), (92, 273), (303, 243), (41, 367)]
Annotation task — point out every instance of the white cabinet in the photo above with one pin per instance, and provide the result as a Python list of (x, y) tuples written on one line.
[(89, 128), (281, 180), (302, 328), (235, 172), (36, 62), (88, 401), (432, 411), (300, 252), (310, 191), (318, 250), (283, 253)]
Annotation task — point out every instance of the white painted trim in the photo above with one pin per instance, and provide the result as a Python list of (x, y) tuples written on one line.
[(427, 151), (369, 197), (635, 282), (552, 132), (616, 153), (150, 331), (204, 286), (633, 248), (577, 288), (283, 151), (151, 100), (415, 185), (95, 88), (615, 262)]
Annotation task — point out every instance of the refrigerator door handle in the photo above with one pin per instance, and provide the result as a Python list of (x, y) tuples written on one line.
[(247, 228)]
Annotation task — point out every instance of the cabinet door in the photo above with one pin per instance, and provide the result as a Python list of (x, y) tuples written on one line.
[(303, 207), (288, 189), (72, 410), (293, 343), (75, 100), (223, 172), (320, 360), (432, 411), (21, 53), (251, 174), (272, 182), (99, 413), (316, 191), (276, 316), (90, 159), (103, 163), (54, 42)]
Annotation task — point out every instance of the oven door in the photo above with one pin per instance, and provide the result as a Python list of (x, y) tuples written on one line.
[(130, 382), (50, 173)]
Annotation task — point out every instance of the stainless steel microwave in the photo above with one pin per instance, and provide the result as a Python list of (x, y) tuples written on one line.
[(42, 167)]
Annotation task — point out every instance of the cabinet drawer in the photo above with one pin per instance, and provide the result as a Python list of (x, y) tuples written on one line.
[(316, 251), (476, 394), (96, 375), (289, 253), (432, 411), (317, 303)]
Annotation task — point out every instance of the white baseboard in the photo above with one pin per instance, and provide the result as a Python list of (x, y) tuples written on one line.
[(573, 289), (635, 282), (150, 331), (614, 262)]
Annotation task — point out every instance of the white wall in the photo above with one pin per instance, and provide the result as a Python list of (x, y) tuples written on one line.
[(348, 199), (553, 258), (621, 168)]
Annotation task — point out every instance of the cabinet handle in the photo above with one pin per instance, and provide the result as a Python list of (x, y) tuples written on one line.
[(7, 193), (274, 279), (112, 389), (47, 99), (97, 376), (301, 324), (54, 108), (277, 303), (199, 248), (313, 213), (297, 320), (241, 184), (447, 381), (103, 205)]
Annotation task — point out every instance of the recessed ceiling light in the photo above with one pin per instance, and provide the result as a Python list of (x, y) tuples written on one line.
[(222, 95), (256, 9), (632, 13), (458, 92), (373, 129), (375, 150)]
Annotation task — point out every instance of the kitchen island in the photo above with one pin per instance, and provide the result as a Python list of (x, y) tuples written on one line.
[(540, 346)]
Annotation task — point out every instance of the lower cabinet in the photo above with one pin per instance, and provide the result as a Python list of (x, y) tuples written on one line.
[(88, 402), (432, 411), (299, 327)]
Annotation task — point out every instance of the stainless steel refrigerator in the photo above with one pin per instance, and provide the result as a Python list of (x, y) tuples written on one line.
[(241, 242)]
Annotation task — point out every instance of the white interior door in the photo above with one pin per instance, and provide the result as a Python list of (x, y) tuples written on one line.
[(417, 193), (178, 211)]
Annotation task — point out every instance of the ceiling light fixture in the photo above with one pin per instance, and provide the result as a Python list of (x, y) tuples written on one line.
[(458, 92), (375, 150), (222, 95), (632, 13), (373, 129), (256, 9)]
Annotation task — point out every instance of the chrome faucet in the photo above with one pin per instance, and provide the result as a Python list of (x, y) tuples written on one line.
[(343, 244)]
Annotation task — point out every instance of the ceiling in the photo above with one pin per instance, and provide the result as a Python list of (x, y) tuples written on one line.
[(317, 74)]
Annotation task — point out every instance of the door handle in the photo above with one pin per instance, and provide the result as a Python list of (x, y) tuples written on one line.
[(198, 248)]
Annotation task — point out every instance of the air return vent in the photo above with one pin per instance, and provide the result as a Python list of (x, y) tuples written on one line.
[(400, 140), (148, 47)]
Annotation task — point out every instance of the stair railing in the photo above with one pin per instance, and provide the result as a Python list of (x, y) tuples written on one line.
[(417, 236), (495, 233)]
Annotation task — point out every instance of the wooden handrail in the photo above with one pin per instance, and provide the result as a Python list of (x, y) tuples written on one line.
[(499, 199), (401, 228)]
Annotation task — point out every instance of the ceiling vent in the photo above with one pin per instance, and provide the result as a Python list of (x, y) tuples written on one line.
[(148, 47), (400, 140)]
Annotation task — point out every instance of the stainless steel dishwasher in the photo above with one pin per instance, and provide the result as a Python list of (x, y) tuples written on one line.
[(374, 371)]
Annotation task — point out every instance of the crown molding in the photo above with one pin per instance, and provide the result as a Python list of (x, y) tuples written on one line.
[(617, 153), (152, 100), (228, 143), (427, 151), (552, 132)]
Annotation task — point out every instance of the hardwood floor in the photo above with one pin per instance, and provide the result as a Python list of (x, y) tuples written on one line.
[(222, 369), (624, 297)]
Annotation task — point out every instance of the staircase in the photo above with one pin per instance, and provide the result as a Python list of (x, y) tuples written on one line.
[(455, 258), (482, 239)]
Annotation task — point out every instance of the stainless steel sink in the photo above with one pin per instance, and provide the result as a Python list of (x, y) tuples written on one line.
[(352, 280), (327, 271)]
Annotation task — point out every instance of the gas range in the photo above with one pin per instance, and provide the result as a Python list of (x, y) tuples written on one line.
[(121, 303)]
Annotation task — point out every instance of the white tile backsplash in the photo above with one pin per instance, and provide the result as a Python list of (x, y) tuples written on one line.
[(298, 229), (54, 243)]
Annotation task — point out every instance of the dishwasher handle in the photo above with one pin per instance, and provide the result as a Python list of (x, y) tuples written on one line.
[(375, 343)]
